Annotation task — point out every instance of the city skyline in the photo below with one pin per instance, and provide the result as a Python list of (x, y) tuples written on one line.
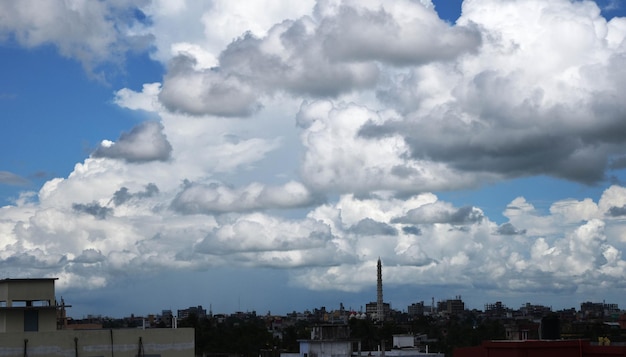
[(264, 154), (427, 309)]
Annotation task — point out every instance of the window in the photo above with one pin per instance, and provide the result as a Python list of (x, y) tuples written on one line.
[(31, 320)]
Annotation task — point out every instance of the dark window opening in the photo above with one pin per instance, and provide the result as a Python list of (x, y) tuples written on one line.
[(31, 320)]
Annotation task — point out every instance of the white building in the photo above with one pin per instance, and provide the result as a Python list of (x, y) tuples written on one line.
[(328, 341)]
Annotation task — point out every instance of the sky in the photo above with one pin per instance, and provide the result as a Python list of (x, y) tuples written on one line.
[(262, 155)]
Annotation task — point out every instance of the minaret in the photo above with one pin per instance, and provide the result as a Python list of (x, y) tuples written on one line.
[(380, 312)]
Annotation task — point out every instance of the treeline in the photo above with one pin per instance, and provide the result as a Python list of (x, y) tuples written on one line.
[(249, 336)]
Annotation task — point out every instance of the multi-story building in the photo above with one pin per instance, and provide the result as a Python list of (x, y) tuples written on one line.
[(193, 310), (536, 311), (497, 310), (452, 306), (32, 323), (27, 305), (590, 310), (371, 309), (416, 309)]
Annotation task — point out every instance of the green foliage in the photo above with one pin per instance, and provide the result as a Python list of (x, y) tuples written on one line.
[(233, 336), (301, 330), (248, 336)]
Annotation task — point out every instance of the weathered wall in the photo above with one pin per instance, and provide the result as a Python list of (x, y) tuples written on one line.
[(103, 343), (329, 348), (12, 320), (27, 289)]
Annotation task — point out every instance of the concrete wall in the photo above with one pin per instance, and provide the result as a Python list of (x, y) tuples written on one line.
[(325, 348), (401, 341), (100, 343), (23, 290), (12, 320)]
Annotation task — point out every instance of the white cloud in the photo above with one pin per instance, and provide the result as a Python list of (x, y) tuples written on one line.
[(311, 142), (338, 158), (399, 33), (538, 97), (146, 100), (208, 91), (204, 29), (145, 142), (216, 198), (92, 32)]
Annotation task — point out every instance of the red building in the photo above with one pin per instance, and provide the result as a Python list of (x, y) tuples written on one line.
[(540, 348)]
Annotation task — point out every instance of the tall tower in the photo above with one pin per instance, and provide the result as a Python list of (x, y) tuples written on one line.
[(380, 311)]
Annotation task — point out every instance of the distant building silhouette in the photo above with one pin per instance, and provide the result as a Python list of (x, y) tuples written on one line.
[(380, 312), (378, 309), (193, 310), (452, 307), (416, 309)]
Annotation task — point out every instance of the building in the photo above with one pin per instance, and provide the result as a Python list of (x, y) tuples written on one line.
[(416, 309), (198, 311), (334, 341), (371, 309), (590, 310), (328, 341), (536, 311), (498, 310), (27, 305), (29, 326), (452, 306)]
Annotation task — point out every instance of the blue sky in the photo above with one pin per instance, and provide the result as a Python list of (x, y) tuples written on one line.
[(274, 155)]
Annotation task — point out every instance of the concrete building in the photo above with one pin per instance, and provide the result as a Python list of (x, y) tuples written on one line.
[(27, 305), (29, 326), (371, 309), (192, 310), (335, 341), (416, 309), (590, 310), (452, 306), (328, 341)]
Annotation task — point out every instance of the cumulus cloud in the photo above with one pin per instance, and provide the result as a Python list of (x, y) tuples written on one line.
[(412, 230), (368, 226), (399, 33), (89, 256), (145, 142), (322, 55), (208, 91), (335, 245), (617, 211), (389, 104), (491, 111), (94, 209), (439, 212), (337, 158), (508, 229), (92, 32), (146, 100), (203, 29), (217, 198), (123, 195)]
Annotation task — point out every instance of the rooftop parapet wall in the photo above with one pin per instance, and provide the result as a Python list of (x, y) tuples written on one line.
[(41, 290), (117, 342)]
